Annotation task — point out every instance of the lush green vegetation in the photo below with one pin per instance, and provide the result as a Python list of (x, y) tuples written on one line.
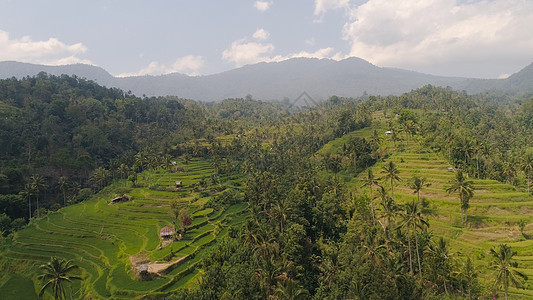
[(422, 196)]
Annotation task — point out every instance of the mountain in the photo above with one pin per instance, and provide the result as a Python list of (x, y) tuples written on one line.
[(19, 70), (320, 78)]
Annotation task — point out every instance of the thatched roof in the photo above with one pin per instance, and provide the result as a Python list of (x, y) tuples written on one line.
[(167, 231), (122, 198), (142, 268)]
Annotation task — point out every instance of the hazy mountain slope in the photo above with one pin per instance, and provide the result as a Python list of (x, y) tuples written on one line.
[(320, 78), (17, 69)]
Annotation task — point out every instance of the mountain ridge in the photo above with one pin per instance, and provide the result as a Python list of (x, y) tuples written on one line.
[(320, 78)]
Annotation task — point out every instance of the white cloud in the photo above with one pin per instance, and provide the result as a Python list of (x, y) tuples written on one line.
[(310, 41), (261, 34), (413, 33), (49, 52), (262, 6), (189, 65), (243, 52), (322, 6)]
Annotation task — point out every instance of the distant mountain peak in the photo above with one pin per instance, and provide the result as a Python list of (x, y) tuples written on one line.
[(319, 78)]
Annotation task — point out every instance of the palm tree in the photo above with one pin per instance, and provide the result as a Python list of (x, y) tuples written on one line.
[(63, 185), (370, 181), (27, 193), (373, 251), (166, 163), (417, 183), (37, 183), (391, 173), (389, 209), (464, 187), (527, 167), (413, 220), (440, 252), (468, 274), (123, 170), (55, 274), (99, 178), (279, 212), (505, 266), (186, 160), (291, 290)]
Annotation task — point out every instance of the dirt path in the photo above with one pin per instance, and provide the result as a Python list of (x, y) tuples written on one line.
[(158, 267)]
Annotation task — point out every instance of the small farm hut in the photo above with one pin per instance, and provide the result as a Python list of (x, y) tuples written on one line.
[(179, 169), (120, 199), (142, 269), (167, 232)]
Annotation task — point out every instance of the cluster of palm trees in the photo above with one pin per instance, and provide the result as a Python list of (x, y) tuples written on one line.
[(33, 189)]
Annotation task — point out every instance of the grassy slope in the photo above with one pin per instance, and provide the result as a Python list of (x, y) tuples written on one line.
[(100, 238), (493, 213)]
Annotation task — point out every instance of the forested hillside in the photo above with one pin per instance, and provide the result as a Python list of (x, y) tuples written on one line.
[(426, 195)]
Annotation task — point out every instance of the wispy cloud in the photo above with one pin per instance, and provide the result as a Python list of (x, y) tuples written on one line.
[(322, 6), (49, 52), (261, 34), (243, 52), (189, 65)]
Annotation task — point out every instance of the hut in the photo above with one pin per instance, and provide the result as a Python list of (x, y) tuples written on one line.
[(120, 199), (179, 169), (142, 269), (167, 232)]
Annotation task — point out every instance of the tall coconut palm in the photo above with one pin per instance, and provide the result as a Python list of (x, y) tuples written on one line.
[(440, 252), (55, 274), (370, 181), (464, 188), (388, 211), (417, 183), (38, 184), (27, 193), (166, 163), (412, 220), (391, 173), (63, 186), (527, 167), (505, 266), (123, 170), (468, 274)]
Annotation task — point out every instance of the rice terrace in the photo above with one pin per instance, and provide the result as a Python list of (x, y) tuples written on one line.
[(112, 241), (266, 150)]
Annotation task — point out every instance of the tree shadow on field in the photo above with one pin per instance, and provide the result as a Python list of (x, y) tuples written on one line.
[(477, 221)]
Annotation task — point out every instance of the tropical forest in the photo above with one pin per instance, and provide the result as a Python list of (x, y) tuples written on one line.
[(107, 195)]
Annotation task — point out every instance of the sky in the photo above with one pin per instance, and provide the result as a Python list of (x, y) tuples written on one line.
[(467, 38)]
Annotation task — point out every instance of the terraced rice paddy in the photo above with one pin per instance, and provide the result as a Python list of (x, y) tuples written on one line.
[(108, 240), (493, 215)]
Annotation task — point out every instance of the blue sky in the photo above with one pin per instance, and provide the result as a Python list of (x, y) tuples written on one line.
[(485, 39)]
